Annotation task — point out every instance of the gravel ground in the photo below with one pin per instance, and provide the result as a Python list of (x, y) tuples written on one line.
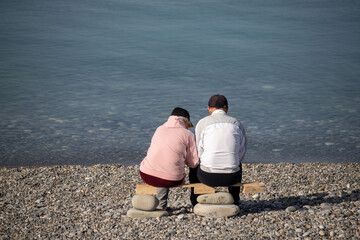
[(301, 201)]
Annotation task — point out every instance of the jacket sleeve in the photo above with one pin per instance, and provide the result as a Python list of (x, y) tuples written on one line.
[(198, 131), (243, 144), (192, 159)]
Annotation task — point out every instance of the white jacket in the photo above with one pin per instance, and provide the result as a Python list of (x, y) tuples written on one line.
[(221, 143)]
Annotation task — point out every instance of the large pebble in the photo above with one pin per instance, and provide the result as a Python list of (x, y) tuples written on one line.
[(290, 209), (216, 198), (145, 202), (136, 213), (256, 196), (216, 210)]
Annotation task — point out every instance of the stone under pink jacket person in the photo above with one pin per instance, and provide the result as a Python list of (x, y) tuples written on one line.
[(172, 147)]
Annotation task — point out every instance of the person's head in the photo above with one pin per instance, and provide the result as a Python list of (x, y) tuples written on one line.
[(217, 102), (184, 114)]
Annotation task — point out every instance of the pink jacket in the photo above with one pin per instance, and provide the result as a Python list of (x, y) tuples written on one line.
[(171, 147)]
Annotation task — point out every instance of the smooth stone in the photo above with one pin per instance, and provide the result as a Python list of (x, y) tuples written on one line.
[(136, 213), (311, 211), (256, 196), (290, 209), (216, 198), (145, 202), (321, 227), (216, 210)]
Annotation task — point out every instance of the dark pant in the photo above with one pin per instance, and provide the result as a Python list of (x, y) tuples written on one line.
[(196, 175)]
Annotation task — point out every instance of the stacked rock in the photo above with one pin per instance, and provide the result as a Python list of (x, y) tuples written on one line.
[(144, 206), (216, 205)]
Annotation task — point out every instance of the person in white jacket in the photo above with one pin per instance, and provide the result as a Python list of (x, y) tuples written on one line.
[(221, 144)]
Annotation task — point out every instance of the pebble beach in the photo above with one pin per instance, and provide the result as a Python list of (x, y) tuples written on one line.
[(301, 201)]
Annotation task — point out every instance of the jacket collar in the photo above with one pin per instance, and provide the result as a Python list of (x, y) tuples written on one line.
[(175, 121), (218, 111)]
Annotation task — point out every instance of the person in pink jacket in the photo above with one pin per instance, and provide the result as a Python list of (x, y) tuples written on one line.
[(172, 146)]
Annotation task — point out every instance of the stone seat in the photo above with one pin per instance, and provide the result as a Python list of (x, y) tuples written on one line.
[(200, 188)]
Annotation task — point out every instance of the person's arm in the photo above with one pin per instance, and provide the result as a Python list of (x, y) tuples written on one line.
[(243, 143), (192, 159), (197, 133), (199, 140)]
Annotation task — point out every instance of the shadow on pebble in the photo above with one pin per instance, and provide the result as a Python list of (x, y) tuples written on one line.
[(297, 201)]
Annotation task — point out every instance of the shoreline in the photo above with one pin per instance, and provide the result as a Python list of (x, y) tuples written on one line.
[(83, 164), (301, 200)]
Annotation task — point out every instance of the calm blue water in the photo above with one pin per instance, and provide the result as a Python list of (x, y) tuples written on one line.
[(87, 82)]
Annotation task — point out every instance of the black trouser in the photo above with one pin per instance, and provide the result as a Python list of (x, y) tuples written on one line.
[(196, 175)]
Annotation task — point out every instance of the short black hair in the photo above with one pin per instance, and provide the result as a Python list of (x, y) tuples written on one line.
[(218, 101)]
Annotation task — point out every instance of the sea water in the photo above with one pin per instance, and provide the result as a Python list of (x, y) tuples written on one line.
[(89, 81)]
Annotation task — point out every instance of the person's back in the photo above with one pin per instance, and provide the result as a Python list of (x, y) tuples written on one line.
[(172, 146), (221, 144)]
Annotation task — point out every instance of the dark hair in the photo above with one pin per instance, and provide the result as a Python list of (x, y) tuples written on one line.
[(218, 101)]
